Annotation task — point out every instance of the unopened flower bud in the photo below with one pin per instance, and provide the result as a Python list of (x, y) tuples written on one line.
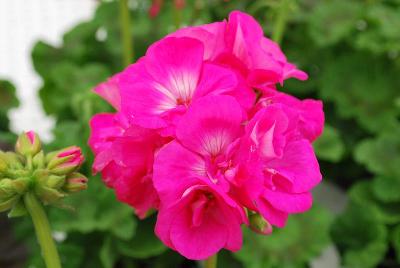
[(258, 224), (7, 189), (55, 181), (65, 161), (75, 182), (28, 143), (3, 166), (48, 195), (21, 185), (12, 160), (39, 160)]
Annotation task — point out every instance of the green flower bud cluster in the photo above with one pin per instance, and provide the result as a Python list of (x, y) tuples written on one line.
[(50, 176)]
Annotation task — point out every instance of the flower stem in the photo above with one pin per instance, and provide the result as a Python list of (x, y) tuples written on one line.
[(281, 20), (125, 24), (43, 232), (211, 262)]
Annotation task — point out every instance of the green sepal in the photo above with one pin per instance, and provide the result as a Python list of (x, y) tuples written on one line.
[(48, 195), (7, 204), (18, 210), (39, 160)]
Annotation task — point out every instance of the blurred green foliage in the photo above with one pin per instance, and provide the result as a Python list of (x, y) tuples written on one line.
[(351, 50), (8, 100)]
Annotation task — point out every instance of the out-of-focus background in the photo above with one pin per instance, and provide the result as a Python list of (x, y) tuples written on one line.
[(52, 53)]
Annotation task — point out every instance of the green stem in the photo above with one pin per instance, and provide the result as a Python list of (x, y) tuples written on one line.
[(29, 162), (211, 262), (125, 24), (43, 232), (281, 20)]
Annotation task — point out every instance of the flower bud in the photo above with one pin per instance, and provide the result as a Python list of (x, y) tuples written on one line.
[(39, 160), (12, 160), (258, 224), (65, 161), (7, 189), (3, 166), (75, 182), (21, 185), (55, 181), (28, 143), (10, 187), (48, 195)]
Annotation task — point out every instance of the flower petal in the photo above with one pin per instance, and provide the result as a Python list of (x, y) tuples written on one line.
[(210, 125)]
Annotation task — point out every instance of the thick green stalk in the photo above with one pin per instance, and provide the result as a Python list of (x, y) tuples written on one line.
[(43, 232), (281, 20), (211, 262), (125, 24)]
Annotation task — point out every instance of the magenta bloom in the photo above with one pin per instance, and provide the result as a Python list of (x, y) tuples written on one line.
[(158, 88), (124, 156), (239, 44), (201, 134)]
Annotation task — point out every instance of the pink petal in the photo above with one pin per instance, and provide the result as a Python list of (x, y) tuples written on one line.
[(143, 97), (110, 91), (298, 165), (274, 216), (210, 125), (211, 35), (287, 202), (309, 112), (215, 80), (175, 63), (188, 224), (173, 163)]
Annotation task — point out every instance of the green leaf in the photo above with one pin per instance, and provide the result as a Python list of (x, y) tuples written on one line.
[(382, 33), (363, 194), (96, 210), (144, 243), (380, 155), (396, 241), (71, 255), (332, 21), (303, 238), (65, 81), (386, 188), (108, 255), (329, 146), (8, 100), (363, 88), (360, 236)]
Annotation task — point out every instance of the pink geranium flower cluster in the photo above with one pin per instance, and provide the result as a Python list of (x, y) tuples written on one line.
[(202, 135)]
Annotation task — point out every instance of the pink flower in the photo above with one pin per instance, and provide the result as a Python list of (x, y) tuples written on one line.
[(239, 43), (124, 156), (190, 177), (191, 140), (287, 161), (157, 90), (310, 115)]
